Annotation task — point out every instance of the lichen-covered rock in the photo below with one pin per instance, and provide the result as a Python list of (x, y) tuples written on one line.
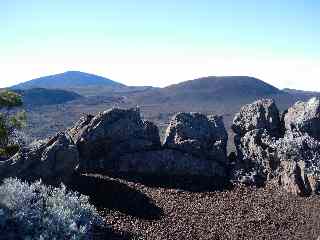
[(304, 117), (257, 160), (198, 135), (257, 127), (300, 164), (103, 138), (54, 161), (261, 114), (263, 154)]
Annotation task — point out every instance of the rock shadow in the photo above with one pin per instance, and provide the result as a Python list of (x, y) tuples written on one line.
[(190, 183), (100, 233), (111, 194)]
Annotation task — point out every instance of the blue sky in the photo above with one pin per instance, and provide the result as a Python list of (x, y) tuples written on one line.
[(162, 42)]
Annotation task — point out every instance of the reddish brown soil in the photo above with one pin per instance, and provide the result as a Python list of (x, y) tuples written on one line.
[(151, 211)]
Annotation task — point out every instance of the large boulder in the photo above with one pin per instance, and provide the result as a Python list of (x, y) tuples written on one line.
[(261, 114), (304, 117), (198, 135), (103, 138), (53, 161)]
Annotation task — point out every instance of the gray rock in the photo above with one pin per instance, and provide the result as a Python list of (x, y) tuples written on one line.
[(257, 127), (257, 160), (304, 117), (263, 153), (118, 140), (261, 114), (300, 164), (108, 135), (195, 134), (54, 161)]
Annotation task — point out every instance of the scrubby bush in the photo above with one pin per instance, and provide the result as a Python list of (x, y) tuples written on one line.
[(11, 122), (36, 211)]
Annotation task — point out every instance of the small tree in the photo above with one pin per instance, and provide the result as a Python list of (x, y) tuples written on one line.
[(10, 122)]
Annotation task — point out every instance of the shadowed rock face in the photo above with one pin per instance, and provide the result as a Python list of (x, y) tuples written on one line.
[(170, 162), (293, 158)]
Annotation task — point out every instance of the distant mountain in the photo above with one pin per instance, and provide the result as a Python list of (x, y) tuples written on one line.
[(83, 83), (221, 87), (301, 93), (42, 96), (211, 90)]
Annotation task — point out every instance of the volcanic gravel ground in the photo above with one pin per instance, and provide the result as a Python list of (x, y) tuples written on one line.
[(150, 211)]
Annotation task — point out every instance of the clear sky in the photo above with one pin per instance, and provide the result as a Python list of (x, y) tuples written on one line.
[(146, 42)]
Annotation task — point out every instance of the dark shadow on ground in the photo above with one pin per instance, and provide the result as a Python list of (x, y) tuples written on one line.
[(111, 194), (103, 233), (188, 183)]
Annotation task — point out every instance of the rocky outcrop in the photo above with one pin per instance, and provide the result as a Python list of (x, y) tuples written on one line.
[(285, 150), (291, 156), (119, 140), (54, 161)]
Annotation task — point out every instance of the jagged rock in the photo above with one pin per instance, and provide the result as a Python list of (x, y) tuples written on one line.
[(263, 154), (102, 139), (300, 164), (169, 161), (257, 127), (261, 114), (304, 117), (257, 160), (195, 134), (53, 161)]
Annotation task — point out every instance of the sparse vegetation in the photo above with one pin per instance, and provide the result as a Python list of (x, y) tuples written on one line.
[(36, 211), (10, 123)]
